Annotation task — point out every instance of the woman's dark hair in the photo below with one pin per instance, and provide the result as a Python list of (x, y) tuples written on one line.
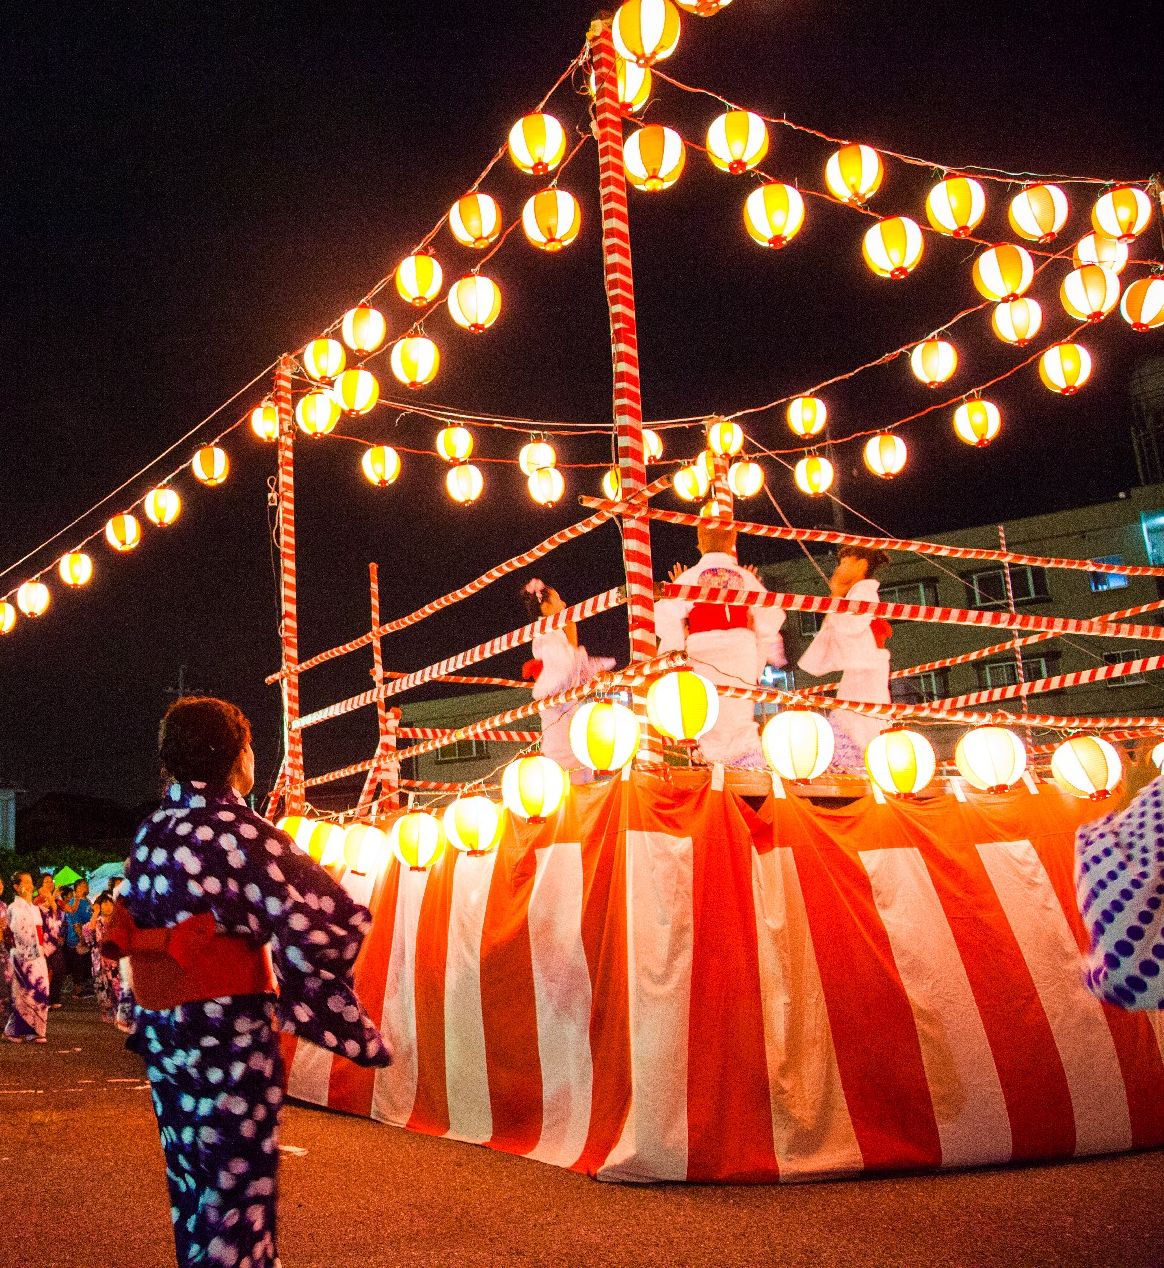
[(534, 598), (200, 739), (874, 559), (16, 876)]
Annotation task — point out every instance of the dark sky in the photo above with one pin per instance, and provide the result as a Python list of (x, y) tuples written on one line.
[(191, 189)]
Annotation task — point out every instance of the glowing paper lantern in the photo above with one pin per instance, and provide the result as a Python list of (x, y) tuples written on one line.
[(533, 787), (612, 484), (75, 568), (537, 143), (551, 219), (474, 302), (380, 465), (317, 413), (473, 824), (7, 617), (1090, 293), (885, 455), (324, 842), (464, 483), (1038, 213), (1122, 213), (807, 415), (977, 422), (854, 174), (162, 506), (1098, 248), (634, 85), (991, 758), (1142, 306), (1003, 272), (363, 329), (366, 849), (705, 462), (737, 141), (419, 279), (893, 247), (956, 206), (210, 465), (703, 8), (534, 456), (1065, 368), (475, 220), (652, 445), (546, 486), (32, 598), (323, 359), (356, 391), (798, 744), (774, 214), (1017, 321), (415, 360), (724, 437), (745, 479), (813, 475), (682, 705), (646, 31), (934, 361), (604, 735), (265, 421), (900, 762), (691, 483), (1086, 766), (654, 158), (416, 840), (454, 444), (123, 532)]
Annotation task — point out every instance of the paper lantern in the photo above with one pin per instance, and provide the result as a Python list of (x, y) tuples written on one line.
[(475, 220), (32, 598), (885, 455), (474, 302), (652, 445), (454, 444), (533, 787), (75, 568), (633, 83), (654, 158), (1142, 306), (854, 174), (934, 361), (798, 744), (321, 841), (162, 506), (705, 462), (724, 437), (745, 479), (265, 421), (535, 455), (1156, 756), (546, 486), (473, 824), (356, 391), (991, 758), (1086, 766), (1017, 321), (123, 532), (551, 219), (323, 359), (464, 483), (366, 849), (1090, 293), (1122, 213), (1065, 368), (612, 484), (7, 617), (1098, 248), (682, 705), (604, 735), (737, 141), (537, 143), (813, 475), (900, 762), (381, 465), (703, 8), (646, 31), (691, 483), (317, 413), (363, 329), (893, 247), (1003, 272), (955, 206), (415, 360), (774, 214), (977, 422), (806, 415), (416, 840), (1038, 213), (210, 465), (419, 279)]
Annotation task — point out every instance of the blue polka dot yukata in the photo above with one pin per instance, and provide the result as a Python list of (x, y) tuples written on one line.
[(214, 1065), (1119, 873)]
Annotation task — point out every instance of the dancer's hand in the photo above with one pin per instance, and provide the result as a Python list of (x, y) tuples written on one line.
[(677, 570)]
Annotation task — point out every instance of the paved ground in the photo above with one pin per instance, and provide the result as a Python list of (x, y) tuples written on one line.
[(79, 1154)]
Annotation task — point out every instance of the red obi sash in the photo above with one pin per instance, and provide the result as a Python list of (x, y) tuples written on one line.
[(705, 617)]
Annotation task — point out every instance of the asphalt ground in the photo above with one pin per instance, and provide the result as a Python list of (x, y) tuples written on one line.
[(82, 1183)]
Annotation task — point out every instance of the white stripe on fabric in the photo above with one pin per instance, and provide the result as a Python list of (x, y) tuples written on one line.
[(310, 1073), (394, 1089)]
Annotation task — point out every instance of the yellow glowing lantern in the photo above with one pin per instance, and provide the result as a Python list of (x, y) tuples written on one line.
[(1087, 766), (546, 486), (363, 329), (1122, 213), (162, 506), (798, 744), (691, 483), (551, 219), (737, 141), (1065, 368), (75, 568), (893, 247), (535, 455), (1142, 306), (7, 617), (1098, 248), (415, 360), (612, 484), (366, 849), (317, 413), (900, 762), (654, 158), (1156, 756), (646, 31), (934, 361), (32, 598), (682, 705), (1003, 272), (977, 422), (381, 465), (604, 735), (474, 302), (356, 391), (473, 824), (885, 455), (455, 444), (1017, 321), (464, 483), (956, 206), (774, 214), (1038, 213), (724, 437), (326, 844), (123, 532), (533, 787), (745, 479), (298, 828), (537, 143), (323, 359), (419, 279), (475, 220), (416, 840), (1090, 293), (705, 462), (813, 475), (265, 421), (703, 8), (991, 758), (652, 445), (807, 415), (854, 174), (633, 82), (210, 465)]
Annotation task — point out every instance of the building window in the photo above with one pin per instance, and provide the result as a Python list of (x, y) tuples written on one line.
[(1152, 527), (1115, 658), (462, 751), (933, 685), (781, 679), (987, 587), (1101, 581), (923, 592), (810, 622), (1004, 673)]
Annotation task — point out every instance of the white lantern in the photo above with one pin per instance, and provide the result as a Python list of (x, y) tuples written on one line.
[(991, 758), (798, 744), (604, 735), (533, 787), (1086, 766)]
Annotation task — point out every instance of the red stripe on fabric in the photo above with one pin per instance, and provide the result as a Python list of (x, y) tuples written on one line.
[(430, 1110)]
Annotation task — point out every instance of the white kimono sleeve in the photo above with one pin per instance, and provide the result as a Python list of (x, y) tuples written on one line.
[(559, 659), (844, 640)]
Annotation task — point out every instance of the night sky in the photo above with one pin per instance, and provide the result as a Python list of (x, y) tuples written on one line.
[(190, 190)]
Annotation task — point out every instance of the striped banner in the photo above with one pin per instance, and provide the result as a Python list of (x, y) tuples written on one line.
[(291, 776)]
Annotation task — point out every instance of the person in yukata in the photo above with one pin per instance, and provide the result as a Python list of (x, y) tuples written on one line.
[(28, 1020), (727, 644), (559, 663), (106, 973), (48, 900), (218, 907), (855, 645), (6, 941)]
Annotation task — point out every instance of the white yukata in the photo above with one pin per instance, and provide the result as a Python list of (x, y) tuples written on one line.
[(563, 666), (727, 645), (30, 979)]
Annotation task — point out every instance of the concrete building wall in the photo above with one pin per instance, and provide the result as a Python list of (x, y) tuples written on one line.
[(471, 760)]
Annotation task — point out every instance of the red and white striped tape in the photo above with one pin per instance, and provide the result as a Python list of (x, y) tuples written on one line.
[(1056, 682), (292, 775)]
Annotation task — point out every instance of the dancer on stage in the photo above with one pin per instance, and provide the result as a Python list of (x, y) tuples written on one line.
[(28, 1020)]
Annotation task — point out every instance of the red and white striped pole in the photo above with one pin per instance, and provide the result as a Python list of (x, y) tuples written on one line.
[(381, 772), (292, 773)]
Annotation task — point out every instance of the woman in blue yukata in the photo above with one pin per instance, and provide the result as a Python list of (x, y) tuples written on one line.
[(232, 934)]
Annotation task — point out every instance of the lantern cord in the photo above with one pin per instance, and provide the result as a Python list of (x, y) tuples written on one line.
[(802, 544)]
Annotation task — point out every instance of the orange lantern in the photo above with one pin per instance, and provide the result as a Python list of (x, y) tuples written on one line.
[(854, 174), (455, 444), (807, 415), (123, 532), (1122, 213), (1065, 368), (551, 219), (724, 437), (654, 158), (1003, 272), (7, 617), (415, 360), (363, 329), (473, 824), (745, 479), (691, 483), (474, 302), (356, 391), (885, 455), (464, 483), (546, 486), (381, 465), (536, 455), (813, 475), (774, 214), (1098, 248), (652, 445), (646, 31), (32, 598), (419, 279), (537, 143), (265, 421), (634, 85), (1017, 321), (317, 413), (612, 484), (75, 568), (977, 422), (893, 247), (934, 361), (1038, 213), (737, 141), (162, 506), (1090, 293), (210, 465), (956, 206), (475, 220), (1142, 306), (323, 359)]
